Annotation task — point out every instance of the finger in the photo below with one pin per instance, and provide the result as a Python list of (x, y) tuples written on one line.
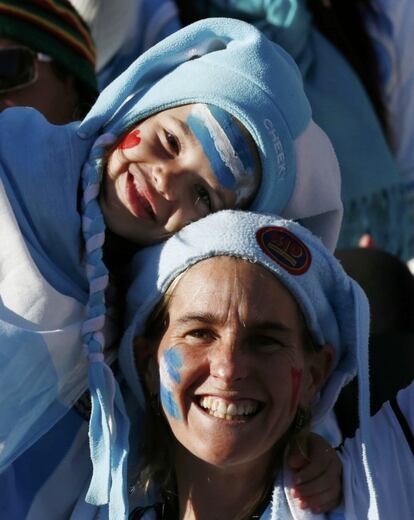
[(316, 487), (320, 506), (297, 457), (321, 462)]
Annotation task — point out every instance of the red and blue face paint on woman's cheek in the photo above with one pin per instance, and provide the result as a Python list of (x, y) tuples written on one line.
[(226, 148), (170, 365)]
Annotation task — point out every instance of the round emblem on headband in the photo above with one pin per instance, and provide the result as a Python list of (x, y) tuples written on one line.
[(284, 248)]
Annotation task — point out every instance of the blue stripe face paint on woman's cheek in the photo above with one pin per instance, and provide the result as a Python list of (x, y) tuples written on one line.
[(170, 365)]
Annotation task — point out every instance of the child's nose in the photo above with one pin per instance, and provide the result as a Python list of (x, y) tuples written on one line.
[(168, 180)]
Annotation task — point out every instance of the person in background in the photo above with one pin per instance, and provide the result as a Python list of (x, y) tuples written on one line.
[(47, 59)]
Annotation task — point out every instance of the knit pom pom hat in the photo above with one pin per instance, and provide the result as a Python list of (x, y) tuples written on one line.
[(54, 28)]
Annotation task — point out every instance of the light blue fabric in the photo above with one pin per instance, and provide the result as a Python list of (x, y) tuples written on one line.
[(372, 193), (40, 259), (155, 20), (46, 480), (334, 306)]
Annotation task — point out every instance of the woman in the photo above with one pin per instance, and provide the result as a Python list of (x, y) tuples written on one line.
[(244, 328), (198, 123)]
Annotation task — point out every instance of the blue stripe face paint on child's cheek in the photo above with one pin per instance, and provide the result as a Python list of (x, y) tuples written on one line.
[(226, 148), (170, 365)]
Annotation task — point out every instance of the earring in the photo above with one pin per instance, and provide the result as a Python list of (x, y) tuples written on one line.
[(301, 419)]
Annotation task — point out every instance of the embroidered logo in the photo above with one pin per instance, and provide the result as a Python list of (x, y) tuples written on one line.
[(278, 148), (284, 248)]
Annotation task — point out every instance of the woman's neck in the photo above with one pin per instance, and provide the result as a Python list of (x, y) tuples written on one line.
[(213, 493)]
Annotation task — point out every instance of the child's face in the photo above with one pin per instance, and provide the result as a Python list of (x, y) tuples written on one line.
[(176, 167)]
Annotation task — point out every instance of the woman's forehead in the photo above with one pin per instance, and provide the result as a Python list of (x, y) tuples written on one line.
[(227, 284)]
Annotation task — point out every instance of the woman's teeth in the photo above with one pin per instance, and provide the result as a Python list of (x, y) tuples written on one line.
[(229, 411)]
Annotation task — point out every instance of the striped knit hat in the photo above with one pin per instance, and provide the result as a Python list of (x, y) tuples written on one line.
[(54, 28)]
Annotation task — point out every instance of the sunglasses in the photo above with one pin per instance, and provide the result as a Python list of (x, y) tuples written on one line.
[(18, 67)]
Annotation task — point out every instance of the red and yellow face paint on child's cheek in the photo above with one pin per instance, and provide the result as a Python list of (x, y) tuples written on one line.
[(130, 140), (296, 378)]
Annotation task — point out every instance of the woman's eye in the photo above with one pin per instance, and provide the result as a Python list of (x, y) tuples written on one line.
[(173, 142), (201, 334), (203, 196), (266, 344)]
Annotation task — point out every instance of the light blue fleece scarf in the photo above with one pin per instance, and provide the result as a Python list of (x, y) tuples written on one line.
[(334, 306), (373, 197)]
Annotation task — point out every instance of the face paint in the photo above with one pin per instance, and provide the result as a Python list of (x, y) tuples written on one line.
[(296, 375), (225, 147), (170, 365), (131, 140)]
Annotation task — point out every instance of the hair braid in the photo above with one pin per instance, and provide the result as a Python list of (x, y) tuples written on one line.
[(102, 385)]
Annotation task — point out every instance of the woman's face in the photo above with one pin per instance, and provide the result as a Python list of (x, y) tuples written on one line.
[(172, 169), (231, 368)]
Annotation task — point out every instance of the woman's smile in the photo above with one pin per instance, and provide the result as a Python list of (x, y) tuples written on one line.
[(229, 410)]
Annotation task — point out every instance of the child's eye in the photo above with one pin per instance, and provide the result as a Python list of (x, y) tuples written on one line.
[(203, 196), (173, 142)]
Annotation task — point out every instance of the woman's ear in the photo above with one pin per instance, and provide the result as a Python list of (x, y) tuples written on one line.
[(319, 366), (146, 361)]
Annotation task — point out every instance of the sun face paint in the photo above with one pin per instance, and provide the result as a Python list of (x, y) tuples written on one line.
[(170, 365), (296, 376), (131, 140), (225, 147)]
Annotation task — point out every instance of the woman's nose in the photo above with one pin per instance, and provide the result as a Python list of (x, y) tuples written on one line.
[(228, 363)]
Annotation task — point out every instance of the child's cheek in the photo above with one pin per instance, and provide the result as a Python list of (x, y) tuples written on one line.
[(131, 140), (296, 378), (170, 377)]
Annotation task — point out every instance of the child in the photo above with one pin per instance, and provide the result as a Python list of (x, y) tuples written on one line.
[(180, 134)]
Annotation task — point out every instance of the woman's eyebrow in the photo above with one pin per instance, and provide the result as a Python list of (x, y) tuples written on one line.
[(271, 326), (207, 318)]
